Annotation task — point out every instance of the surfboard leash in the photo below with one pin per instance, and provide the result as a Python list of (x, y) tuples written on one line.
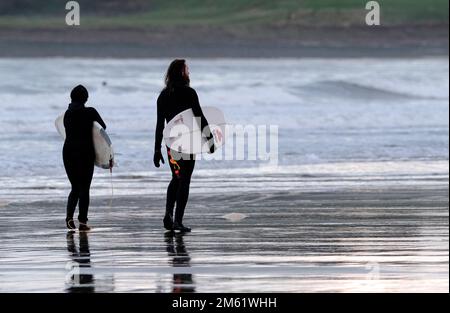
[(111, 165)]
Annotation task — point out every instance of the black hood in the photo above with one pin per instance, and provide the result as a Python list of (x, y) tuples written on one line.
[(79, 94)]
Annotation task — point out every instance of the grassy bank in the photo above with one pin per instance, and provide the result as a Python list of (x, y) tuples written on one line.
[(161, 13)]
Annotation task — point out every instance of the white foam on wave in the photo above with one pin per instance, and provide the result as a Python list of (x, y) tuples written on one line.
[(295, 178), (340, 168)]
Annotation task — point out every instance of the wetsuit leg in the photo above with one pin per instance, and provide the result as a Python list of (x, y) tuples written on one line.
[(86, 173), (183, 189), (181, 178), (74, 195), (79, 171), (172, 195)]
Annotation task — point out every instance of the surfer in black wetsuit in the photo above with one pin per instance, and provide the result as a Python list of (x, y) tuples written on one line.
[(175, 98), (79, 154)]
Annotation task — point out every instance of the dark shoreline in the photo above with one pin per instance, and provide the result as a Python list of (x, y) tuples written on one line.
[(208, 42)]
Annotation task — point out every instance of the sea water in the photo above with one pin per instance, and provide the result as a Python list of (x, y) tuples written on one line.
[(335, 117)]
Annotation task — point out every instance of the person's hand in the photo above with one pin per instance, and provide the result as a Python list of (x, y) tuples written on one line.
[(157, 157)]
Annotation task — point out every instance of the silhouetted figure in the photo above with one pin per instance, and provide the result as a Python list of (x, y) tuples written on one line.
[(79, 155), (175, 98)]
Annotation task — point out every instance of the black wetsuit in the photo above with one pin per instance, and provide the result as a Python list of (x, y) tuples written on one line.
[(79, 156), (170, 103)]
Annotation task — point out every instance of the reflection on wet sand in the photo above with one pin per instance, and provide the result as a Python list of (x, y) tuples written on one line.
[(373, 240), (76, 280), (176, 249)]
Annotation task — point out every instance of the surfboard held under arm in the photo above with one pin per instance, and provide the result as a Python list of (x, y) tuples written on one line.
[(183, 133), (104, 152)]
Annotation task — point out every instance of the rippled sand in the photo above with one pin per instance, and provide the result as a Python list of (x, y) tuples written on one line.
[(375, 239)]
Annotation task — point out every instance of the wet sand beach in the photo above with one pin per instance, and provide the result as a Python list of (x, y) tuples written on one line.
[(366, 239)]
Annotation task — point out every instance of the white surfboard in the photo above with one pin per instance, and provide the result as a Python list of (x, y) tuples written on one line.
[(104, 152), (183, 133)]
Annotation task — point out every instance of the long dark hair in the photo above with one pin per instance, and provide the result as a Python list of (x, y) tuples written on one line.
[(175, 76)]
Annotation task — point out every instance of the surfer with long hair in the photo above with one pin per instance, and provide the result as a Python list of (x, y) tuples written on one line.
[(79, 155), (176, 97)]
